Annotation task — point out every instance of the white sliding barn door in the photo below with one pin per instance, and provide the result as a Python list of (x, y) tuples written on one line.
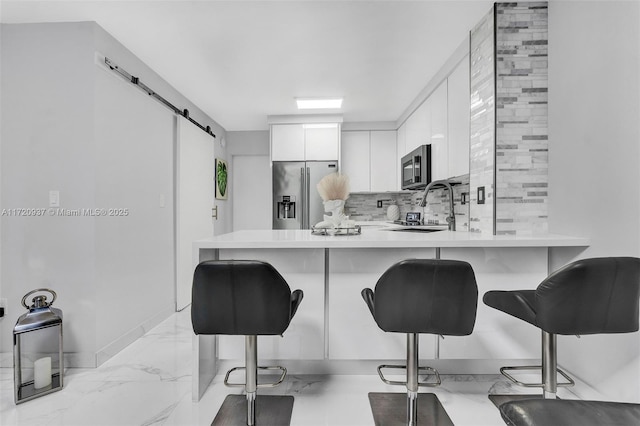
[(195, 195)]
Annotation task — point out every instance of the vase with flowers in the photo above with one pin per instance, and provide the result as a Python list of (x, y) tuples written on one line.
[(334, 191)]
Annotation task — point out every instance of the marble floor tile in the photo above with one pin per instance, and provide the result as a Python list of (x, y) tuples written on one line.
[(149, 383)]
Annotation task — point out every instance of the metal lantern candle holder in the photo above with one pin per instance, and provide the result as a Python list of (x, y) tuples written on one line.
[(37, 349)]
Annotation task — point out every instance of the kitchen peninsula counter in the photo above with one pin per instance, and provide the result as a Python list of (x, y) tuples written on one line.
[(379, 238), (333, 331)]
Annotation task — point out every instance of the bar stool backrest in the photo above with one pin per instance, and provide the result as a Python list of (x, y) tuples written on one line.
[(427, 296), (240, 297), (590, 296)]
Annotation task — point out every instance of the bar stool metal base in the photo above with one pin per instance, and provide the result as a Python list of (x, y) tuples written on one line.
[(390, 409), (549, 369), (229, 410), (429, 370), (503, 371), (282, 370), (270, 410)]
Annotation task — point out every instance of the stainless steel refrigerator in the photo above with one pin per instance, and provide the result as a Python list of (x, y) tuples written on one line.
[(296, 202)]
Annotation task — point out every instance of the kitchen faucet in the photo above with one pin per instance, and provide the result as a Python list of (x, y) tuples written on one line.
[(451, 219)]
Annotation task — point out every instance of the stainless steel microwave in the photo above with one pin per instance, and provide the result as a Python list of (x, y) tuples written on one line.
[(416, 168)]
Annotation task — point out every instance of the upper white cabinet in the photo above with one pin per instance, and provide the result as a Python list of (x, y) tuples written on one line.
[(400, 150), (418, 127), (356, 160), (383, 161), (322, 142), (458, 112), (300, 142), (442, 120), (287, 142), (428, 125), (369, 159), (438, 133)]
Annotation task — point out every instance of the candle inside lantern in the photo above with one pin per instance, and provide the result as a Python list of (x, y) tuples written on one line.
[(42, 372)]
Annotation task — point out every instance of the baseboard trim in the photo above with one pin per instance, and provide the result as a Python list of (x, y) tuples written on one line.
[(132, 335)]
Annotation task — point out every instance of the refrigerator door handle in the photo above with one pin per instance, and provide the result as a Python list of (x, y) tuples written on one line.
[(303, 177), (308, 203)]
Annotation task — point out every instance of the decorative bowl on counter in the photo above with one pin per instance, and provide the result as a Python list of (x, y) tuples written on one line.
[(351, 230)]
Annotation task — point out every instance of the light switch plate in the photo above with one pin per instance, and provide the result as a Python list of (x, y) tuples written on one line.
[(54, 198), (481, 195)]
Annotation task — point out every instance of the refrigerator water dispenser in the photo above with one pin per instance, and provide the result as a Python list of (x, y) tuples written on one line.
[(286, 207)]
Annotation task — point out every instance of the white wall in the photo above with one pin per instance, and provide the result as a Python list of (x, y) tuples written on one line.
[(248, 143), (72, 126), (252, 194), (224, 223), (594, 151), (47, 143), (250, 179)]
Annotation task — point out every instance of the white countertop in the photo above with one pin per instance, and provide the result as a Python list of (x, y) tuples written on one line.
[(380, 238)]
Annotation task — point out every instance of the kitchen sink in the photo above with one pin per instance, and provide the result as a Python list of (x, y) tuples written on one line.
[(416, 228)]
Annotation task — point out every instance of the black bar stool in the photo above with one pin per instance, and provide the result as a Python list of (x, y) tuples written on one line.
[(420, 296), (588, 296), (557, 412), (250, 298)]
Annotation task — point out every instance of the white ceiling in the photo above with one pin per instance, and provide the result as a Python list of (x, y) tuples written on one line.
[(240, 61)]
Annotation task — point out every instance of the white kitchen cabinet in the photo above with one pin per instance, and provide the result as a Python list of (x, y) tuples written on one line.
[(496, 335), (287, 142), (300, 142), (304, 338), (438, 133), (428, 125), (418, 127), (442, 120), (355, 160), (322, 143), (458, 116), (383, 161), (354, 334), (334, 324), (401, 144), (369, 159)]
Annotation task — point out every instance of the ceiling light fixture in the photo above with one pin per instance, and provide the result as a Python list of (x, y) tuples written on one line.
[(319, 103)]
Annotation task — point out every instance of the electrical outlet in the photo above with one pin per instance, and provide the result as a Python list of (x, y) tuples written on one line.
[(379, 204)]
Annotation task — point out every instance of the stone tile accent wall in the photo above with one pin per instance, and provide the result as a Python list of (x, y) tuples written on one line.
[(521, 117), (482, 124), (363, 206), (509, 139)]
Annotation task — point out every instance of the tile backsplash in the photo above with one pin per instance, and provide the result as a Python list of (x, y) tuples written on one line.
[(509, 134), (364, 206)]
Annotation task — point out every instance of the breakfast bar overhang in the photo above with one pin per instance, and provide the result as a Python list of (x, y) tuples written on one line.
[(333, 332)]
